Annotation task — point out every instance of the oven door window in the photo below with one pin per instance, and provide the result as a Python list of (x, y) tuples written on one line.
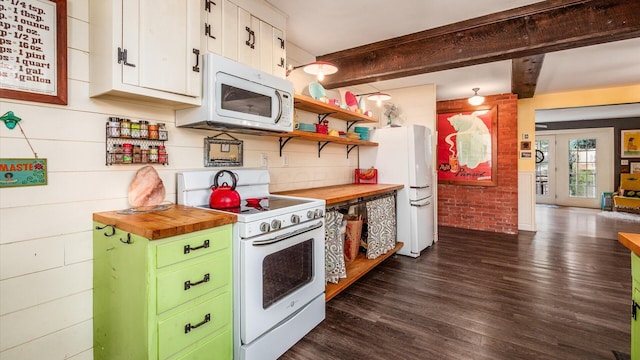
[(286, 271)]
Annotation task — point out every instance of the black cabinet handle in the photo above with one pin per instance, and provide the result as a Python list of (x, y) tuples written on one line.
[(128, 241), (634, 309), (188, 327), (188, 284), (196, 67), (252, 36), (122, 57), (207, 5), (207, 31), (188, 248)]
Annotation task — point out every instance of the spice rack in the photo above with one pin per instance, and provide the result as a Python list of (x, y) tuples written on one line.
[(129, 142)]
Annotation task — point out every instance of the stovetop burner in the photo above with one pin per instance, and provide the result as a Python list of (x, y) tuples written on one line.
[(264, 205)]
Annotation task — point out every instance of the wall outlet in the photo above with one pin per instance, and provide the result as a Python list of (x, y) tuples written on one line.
[(285, 160), (264, 160)]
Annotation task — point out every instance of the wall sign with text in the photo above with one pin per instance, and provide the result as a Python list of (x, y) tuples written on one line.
[(33, 50), (23, 172)]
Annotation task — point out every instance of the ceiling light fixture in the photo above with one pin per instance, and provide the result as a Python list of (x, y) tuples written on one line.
[(377, 96), (318, 68), (476, 99)]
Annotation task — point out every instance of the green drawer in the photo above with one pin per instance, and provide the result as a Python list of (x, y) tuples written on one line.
[(178, 331), (191, 246), (218, 348), (182, 283)]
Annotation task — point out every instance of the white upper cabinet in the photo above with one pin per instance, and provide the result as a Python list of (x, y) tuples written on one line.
[(147, 50), (248, 31)]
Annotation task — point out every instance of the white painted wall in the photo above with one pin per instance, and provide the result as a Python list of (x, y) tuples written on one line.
[(45, 231)]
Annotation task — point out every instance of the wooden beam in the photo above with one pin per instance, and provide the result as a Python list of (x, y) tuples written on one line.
[(524, 75), (527, 31)]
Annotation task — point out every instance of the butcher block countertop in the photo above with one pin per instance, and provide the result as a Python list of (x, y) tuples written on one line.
[(631, 241), (176, 220), (339, 193)]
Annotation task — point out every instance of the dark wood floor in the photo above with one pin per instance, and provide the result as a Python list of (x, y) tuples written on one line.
[(563, 292)]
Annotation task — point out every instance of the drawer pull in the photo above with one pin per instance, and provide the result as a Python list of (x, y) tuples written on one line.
[(188, 327), (188, 248), (113, 229), (188, 284)]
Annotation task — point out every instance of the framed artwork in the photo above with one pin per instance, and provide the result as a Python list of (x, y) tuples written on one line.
[(630, 143), (467, 147), (634, 168), (34, 61), (222, 152)]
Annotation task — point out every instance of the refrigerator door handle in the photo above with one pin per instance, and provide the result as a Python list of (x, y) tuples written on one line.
[(417, 203), (420, 187)]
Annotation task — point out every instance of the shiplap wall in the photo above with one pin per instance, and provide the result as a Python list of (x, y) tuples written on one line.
[(45, 231)]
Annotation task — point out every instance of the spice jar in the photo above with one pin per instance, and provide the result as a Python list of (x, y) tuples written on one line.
[(153, 154), (137, 154), (144, 129), (113, 127), (162, 154), (145, 156), (163, 134), (117, 154), (127, 153), (125, 128), (153, 132), (135, 130)]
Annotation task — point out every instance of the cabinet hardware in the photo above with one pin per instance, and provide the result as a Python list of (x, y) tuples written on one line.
[(188, 284), (128, 241), (321, 146), (207, 31), (188, 248), (349, 148), (252, 36), (281, 64), (188, 327), (196, 67), (207, 5), (113, 229), (634, 309), (122, 57), (281, 43)]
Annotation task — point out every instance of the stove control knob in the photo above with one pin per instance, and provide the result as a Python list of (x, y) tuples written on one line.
[(310, 214), (264, 227), (275, 224), (295, 219), (318, 214)]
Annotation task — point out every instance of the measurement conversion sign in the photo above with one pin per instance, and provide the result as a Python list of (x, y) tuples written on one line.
[(28, 58)]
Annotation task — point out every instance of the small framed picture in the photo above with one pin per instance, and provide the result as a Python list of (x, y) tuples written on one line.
[(525, 145), (634, 167), (630, 143), (225, 148), (525, 154)]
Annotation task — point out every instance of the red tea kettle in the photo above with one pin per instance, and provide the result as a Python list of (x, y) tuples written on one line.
[(224, 196)]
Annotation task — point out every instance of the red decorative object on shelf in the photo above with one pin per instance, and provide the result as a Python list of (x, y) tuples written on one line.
[(366, 176)]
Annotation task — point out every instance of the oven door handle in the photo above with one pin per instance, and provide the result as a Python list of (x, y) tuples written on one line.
[(287, 235)]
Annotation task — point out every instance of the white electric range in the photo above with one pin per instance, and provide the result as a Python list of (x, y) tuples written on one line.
[(278, 261)]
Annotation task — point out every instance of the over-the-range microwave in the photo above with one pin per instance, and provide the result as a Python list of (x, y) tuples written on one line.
[(239, 98)]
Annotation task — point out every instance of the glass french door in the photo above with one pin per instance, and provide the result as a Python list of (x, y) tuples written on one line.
[(576, 166)]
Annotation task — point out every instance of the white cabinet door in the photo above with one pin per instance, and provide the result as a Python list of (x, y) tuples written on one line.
[(279, 53), (212, 20), (230, 41), (266, 47), (249, 37)]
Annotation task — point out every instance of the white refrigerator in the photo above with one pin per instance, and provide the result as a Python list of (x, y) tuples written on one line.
[(403, 156)]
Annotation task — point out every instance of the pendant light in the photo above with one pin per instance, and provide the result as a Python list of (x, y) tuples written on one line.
[(476, 99), (377, 96), (318, 68)]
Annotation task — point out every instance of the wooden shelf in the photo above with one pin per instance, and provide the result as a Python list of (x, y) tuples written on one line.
[(355, 270), (311, 136), (309, 104)]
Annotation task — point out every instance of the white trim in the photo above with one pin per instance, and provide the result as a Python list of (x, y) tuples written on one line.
[(527, 200)]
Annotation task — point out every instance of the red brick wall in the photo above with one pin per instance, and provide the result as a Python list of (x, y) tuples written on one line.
[(486, 208)]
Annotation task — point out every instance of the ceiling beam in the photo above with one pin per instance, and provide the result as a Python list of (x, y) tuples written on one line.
[(524, 75), (522, 32)]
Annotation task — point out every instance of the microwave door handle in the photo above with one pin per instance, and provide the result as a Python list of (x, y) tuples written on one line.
[(286, 236), (279, 107)]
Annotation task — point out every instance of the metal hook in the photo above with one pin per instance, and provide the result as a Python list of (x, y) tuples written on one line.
[(128, 241), (113, 229)]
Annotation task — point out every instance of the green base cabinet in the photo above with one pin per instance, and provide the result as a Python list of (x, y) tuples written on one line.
[(635, 323), (162, 299)]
